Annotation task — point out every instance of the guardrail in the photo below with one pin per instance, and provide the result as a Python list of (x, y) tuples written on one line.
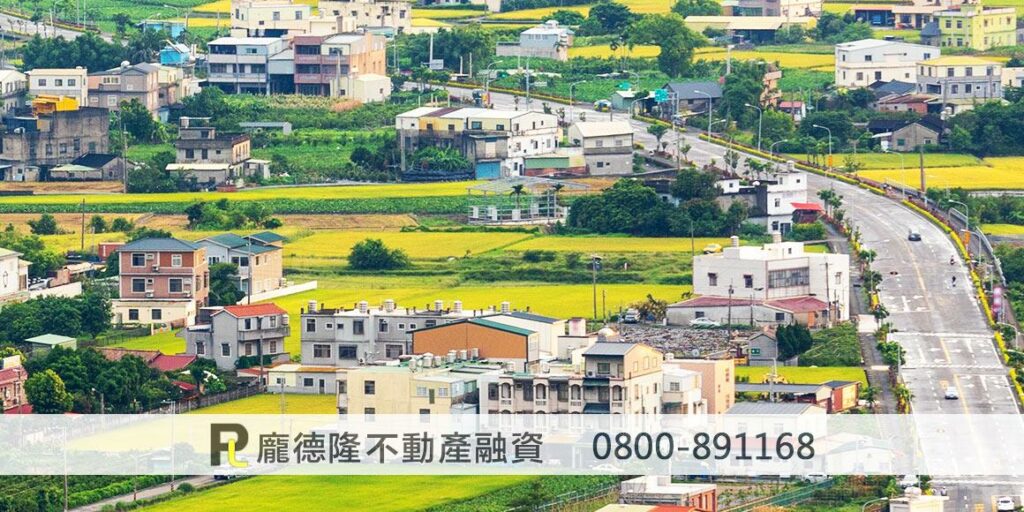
[(784, 498)]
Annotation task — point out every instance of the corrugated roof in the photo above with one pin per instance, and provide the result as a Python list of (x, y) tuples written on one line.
[(159, 244), (797, 389), (50, 339), (229, 240), (533, 317), (267, 237), (251, 310), (603, 128), (172, 363), (605, 348), (755, 408), (799, 304), (687, 90), (500, 326)]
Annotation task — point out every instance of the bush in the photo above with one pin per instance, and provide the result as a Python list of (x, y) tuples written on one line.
[(186, 488), (46, 225), (536, 256), (807, 232), (372, 254)]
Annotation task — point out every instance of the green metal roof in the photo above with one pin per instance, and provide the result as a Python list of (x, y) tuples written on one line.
[(229, 240), (500, 326), (267, 237)]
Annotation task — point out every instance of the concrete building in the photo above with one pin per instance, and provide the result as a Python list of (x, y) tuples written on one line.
[(301, 379), (694, 97), (862, 63), (749, 29), (960, 81), (416, 387), (395, 16), (332, 65), (41, 345), (227, 334), (56, 134), (13, 277), (783, 8), (259, 258), (261, 18), (660, 490), (911, 135), (496, 141), (548, 40), (140, 82), (717, 380), (162, 280), (12, 385), (607, 146), (13, 87), (914, 501), (917, 103), (681, 390), (492, 340), (212, 159), (973, 26), (771, 199), (72, 83), (240, 64)]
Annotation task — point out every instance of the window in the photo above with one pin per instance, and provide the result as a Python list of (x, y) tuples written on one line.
[(867, 58), (421, 391), (393, 351), (712, 279), (347, 352), (247, 324), (138, 285), (442, 391), (369, 411), (156, 314), (604, 368), (673, 386), (357, 327), (780, 317), (949, 72), (492, 391), (955, 89), (248, 349), (307, 382), (49, 149), (430, 323), (42, 82), (174, 285), (72, 82), (789, 277), (175, 260), (241, 261), (138, 259), (401, 327), (225, 350), (499, 127), (133, 314), (475, 125), (382, 325), (369, 387), (748, 281), (310, 325), (321, 350), (111, 101), (273, 347)]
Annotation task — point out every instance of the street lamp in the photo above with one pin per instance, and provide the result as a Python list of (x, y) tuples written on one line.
[(771, 151), (903, 172), (967, 222), (572, 103), (826, 128), (487, 80), (710, 102), (595, 265), (879, 500), (760, 117)]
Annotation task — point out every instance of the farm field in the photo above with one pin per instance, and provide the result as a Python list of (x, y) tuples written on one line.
[(298, 221), (784, 59), (224, 6), (271, 404), (339, 493), (999, 174), (1002, 229), (891, 161), (837, 7), (68, 222), (601, 51), (446, 14), (427, 22), (54, 187), (336, 244), (165, 342), (537, 14), (804, 375), (588, 244)]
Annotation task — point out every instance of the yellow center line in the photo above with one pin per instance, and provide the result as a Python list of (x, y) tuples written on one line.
[(960, 392)]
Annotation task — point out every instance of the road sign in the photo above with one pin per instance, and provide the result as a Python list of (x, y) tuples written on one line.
[(437, 64), (661, 95), (624, 86)]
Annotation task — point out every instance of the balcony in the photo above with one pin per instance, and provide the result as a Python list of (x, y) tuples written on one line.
[(264, 334), (612, 150), (505, 402), (237, 77)]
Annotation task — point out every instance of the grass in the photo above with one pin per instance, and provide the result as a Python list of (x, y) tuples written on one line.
[(342, 493), (603, 51), (910, 36), (337, 244), (537, 14), (1002, 229), (795, 80), (144, 152), (804, 375), (446, 14), (997, 174), (589, 244), (271, 404), (838, 7), (891, 161), (165, 342)]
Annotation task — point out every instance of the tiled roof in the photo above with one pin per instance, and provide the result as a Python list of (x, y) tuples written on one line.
[(768, 408), (166, 363), (10, 375), (251, 310), (799, 304), (808, 206), (159, 244)]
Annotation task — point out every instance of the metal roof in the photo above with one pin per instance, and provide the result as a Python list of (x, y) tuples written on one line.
[(500, 326), (267, 237), (50, 339), (686, 90), (602, 348), (229, 240), (158, 244), (768, 408), (522, 315), (603, 128)]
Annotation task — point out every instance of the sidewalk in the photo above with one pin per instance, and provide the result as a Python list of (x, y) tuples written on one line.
[(151, 492)]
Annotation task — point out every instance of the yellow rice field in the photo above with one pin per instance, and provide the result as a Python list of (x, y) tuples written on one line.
[(337, 244), (1002, 229), (538, 14), (785, 60), (601, 51), (606, 244), (446, 14), (224, 6), (426, 22), (999, 174)]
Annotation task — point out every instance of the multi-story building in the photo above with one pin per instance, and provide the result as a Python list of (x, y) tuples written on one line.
[(13, 87), (72, 83), (12, 385), (607, 146), (228, 333), (693, 97), (717, 380), (616, 378), (784, 8), (778, 282), (341, 65), (960, 79), (771, 199), (496, 141), (270, 18), (259, 258), (483, 338), (13, 277), (681, 390), (241, 64), (211, 158), (972, 26), (548, 40), (140, 82), (418, 387), (661, 490), (162, 280), (362, 335), (862, 63), (393, 15), (57, 133)]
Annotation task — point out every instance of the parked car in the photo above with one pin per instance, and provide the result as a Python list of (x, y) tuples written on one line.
[(704, 323), (603, 106), (815, 478), (631, 316), (712, 248), (1005, 504), (914, 236), (951, 393)]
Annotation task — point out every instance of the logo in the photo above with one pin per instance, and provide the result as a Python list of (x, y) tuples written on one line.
[(217, 445)]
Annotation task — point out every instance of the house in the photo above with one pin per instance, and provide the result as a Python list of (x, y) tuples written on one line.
[(41, 345), (347, 337), (298, 378), (339, 64), (548, 329), (108, 89), (607, 146), (562, 162), (917, 103), (424, 386), (914, 501), (694, 97), (661, 490), (153, 358), (228, 334), (12, 384), (57, 133), (795, 109), (389, 16), (606, 377), (783, 8), (548, 40), (178, 54), (71, 83), (258, 257), (961, 80), (909, 136), (624, 100), (862, 63), (717, 380), (13, 277), (883, 89), (900, 16), (162, 280), (749, 29), (762, 349), (211, 158), (747, 284), (241, 64), (972, 26), (681, 390), (833, 396), (174, 83), (769, 199), (88, 167), (491, 340), (13, 87), (274, 18), (497, 142)]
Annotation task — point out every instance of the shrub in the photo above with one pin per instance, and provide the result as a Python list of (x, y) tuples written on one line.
[(537, 256), (372, 254)]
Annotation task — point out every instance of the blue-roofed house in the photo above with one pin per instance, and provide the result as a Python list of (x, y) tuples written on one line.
[(259, 258)]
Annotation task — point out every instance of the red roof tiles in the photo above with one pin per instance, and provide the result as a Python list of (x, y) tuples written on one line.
[(250, 310), (166, 363)]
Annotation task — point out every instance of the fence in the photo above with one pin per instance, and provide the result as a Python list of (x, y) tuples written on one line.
[(785, 498), (568, 499), (207, 401)]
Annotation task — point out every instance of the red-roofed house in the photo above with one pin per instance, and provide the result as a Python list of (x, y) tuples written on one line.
[(12, 384), (796, 109), (153, 358), (227, 334), (806, 213)]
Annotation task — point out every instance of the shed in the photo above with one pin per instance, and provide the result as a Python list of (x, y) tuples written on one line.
[(42, 344)]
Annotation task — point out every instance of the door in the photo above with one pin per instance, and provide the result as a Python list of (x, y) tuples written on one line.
[(323, 387)]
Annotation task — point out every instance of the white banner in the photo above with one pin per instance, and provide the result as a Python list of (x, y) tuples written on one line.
[(196, 444)]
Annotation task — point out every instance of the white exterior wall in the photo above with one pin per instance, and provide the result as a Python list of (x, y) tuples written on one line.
[(791, 188), (861, 66), (740, 314), (44, 81), (548, 332)]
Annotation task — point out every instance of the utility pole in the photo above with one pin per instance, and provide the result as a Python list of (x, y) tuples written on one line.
[(924, 188), (595, 265), (729, 317), (83, 226)]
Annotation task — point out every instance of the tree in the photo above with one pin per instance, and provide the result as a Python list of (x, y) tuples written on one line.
[(121, 22), (744, 86), (793, 34), (87, 50), (607, 17), (870, 395), (33, 250), (224, 289), (46, 393), (658, 130), (671, 35), (565, 17), (686, 8), (838, 122), (97, 224), (94, 311), (694, 184), (138, 122), (533, 498), (45, 225), (372, 254), (122, 225), (776, 126)]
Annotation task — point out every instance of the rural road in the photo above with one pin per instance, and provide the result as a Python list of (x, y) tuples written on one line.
[(151, 492)]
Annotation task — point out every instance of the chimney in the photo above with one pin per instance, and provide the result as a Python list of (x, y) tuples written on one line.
[(312, 306), (438, 305), (457, 307), (776, 237), (506, 307), (364, 307), (389, 305), (734, 241)]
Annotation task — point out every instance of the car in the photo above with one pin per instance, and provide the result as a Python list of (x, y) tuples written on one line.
[(815, 478), (712, 248), (631, 316), (603, 106), (909, 481), (607, 468), (951, 393), (1005, 504), (704, 322), (914, 236)]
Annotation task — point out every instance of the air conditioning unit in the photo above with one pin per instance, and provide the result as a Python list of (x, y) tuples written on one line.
[(156, 268), (149, 295)]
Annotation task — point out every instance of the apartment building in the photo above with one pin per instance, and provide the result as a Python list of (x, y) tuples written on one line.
[(418, 386), (607, 146), (393, 15), (13, 277), (261, 18), (241, 64), (227, 334), (607, 377), (363, 335), (72, 83), (162, 280), (59, 132), (12, 385), (343, 65), (681, 390), (140, 82), (212, 158), (259, 258), (548, 40), (717, 380), (496, 141), (862, 63), (960, 81), (972, 26), (13, 87)]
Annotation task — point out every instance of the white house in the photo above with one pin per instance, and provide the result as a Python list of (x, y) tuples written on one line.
[(13, 276), (13, 85), (771, 198), (548, 40), (607, 146), (72, 83), (862, 63)]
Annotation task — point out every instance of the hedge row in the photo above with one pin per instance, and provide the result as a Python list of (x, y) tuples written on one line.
[(82, 498), (429, 204), (517, 92)]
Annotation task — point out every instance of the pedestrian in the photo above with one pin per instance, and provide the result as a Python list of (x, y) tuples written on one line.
[(954, 281)]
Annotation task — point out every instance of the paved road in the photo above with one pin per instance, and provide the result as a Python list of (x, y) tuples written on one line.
[(17, 25), (152, 492)]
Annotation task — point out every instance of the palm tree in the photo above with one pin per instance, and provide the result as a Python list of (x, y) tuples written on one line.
[(517, 191), (903, 397), (867, 256), (870, 395)]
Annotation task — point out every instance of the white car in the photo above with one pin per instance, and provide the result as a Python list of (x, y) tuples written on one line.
[(951, 393), (815, 478), (1005, 504), (704, 322), (909, 481)]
